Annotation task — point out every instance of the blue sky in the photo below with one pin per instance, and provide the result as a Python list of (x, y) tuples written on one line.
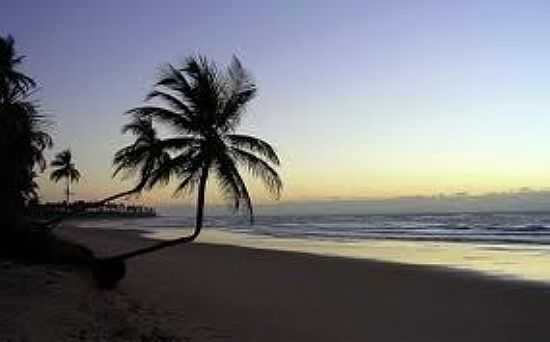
[(361, 98)]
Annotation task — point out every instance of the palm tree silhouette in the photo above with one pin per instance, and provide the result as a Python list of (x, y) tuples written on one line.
[(144, 153), (202, 108), (66, 169), (23, 136), (9, 62), (144, 156)]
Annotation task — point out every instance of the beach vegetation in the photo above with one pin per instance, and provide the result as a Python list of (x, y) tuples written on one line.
[(23, 136)]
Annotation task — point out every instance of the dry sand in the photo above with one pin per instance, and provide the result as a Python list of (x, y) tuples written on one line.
[(60, 303), (204, 292)]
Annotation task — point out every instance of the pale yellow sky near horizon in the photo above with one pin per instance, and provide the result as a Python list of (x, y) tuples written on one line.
[(310, 180)]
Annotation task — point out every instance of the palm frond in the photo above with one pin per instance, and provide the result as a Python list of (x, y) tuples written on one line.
[(232, 185), (9, 61), (170, 118), (181, 165), (240, 90), (207, 88), (57, 175), (254, 145), (140, 127), (261, 169), (74, 174), (173, 102), (172, 78), (23, 130), (191, 176), (180, 143)]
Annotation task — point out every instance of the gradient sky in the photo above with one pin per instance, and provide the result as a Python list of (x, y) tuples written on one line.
[(361, 99)]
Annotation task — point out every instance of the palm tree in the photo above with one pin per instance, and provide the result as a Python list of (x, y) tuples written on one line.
[(66, 169), (9, 62), (143, 155), (23, 136), (201, 107)]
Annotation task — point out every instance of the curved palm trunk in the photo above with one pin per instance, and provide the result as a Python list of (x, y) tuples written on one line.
[(186, 239), (109, 271), (51, 224)]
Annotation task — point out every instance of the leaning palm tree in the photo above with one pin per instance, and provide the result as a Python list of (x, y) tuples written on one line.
[(65, 169), (201, 107)]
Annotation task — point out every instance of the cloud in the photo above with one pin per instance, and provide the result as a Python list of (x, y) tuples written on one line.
[(524, 199)]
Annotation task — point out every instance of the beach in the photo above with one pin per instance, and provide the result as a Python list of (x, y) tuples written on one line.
[(286, 171), (205, 292), (61, 303)]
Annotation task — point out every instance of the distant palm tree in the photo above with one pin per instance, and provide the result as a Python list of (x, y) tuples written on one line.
[(23, 136), (202, 108), (143, 151), (65, 169)]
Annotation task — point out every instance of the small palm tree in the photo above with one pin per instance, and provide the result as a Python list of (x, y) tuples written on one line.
[(202, 109), (65, 169)]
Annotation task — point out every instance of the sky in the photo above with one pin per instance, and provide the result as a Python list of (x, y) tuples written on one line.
[(362, 99)]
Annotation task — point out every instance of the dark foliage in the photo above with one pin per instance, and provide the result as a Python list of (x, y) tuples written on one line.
[(23, 136)]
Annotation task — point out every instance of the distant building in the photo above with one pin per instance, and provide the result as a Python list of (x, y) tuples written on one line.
[(107, 210)]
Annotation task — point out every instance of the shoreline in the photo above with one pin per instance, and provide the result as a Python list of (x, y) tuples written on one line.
[(455, 271), (496, 260), (246, 294), (142, 235)]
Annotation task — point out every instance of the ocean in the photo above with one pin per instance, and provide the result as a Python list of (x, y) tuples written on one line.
[(533, 228), (515, 245)]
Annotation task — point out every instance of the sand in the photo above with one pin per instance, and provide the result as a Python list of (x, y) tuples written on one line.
[(60, 303), (205, 292)]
